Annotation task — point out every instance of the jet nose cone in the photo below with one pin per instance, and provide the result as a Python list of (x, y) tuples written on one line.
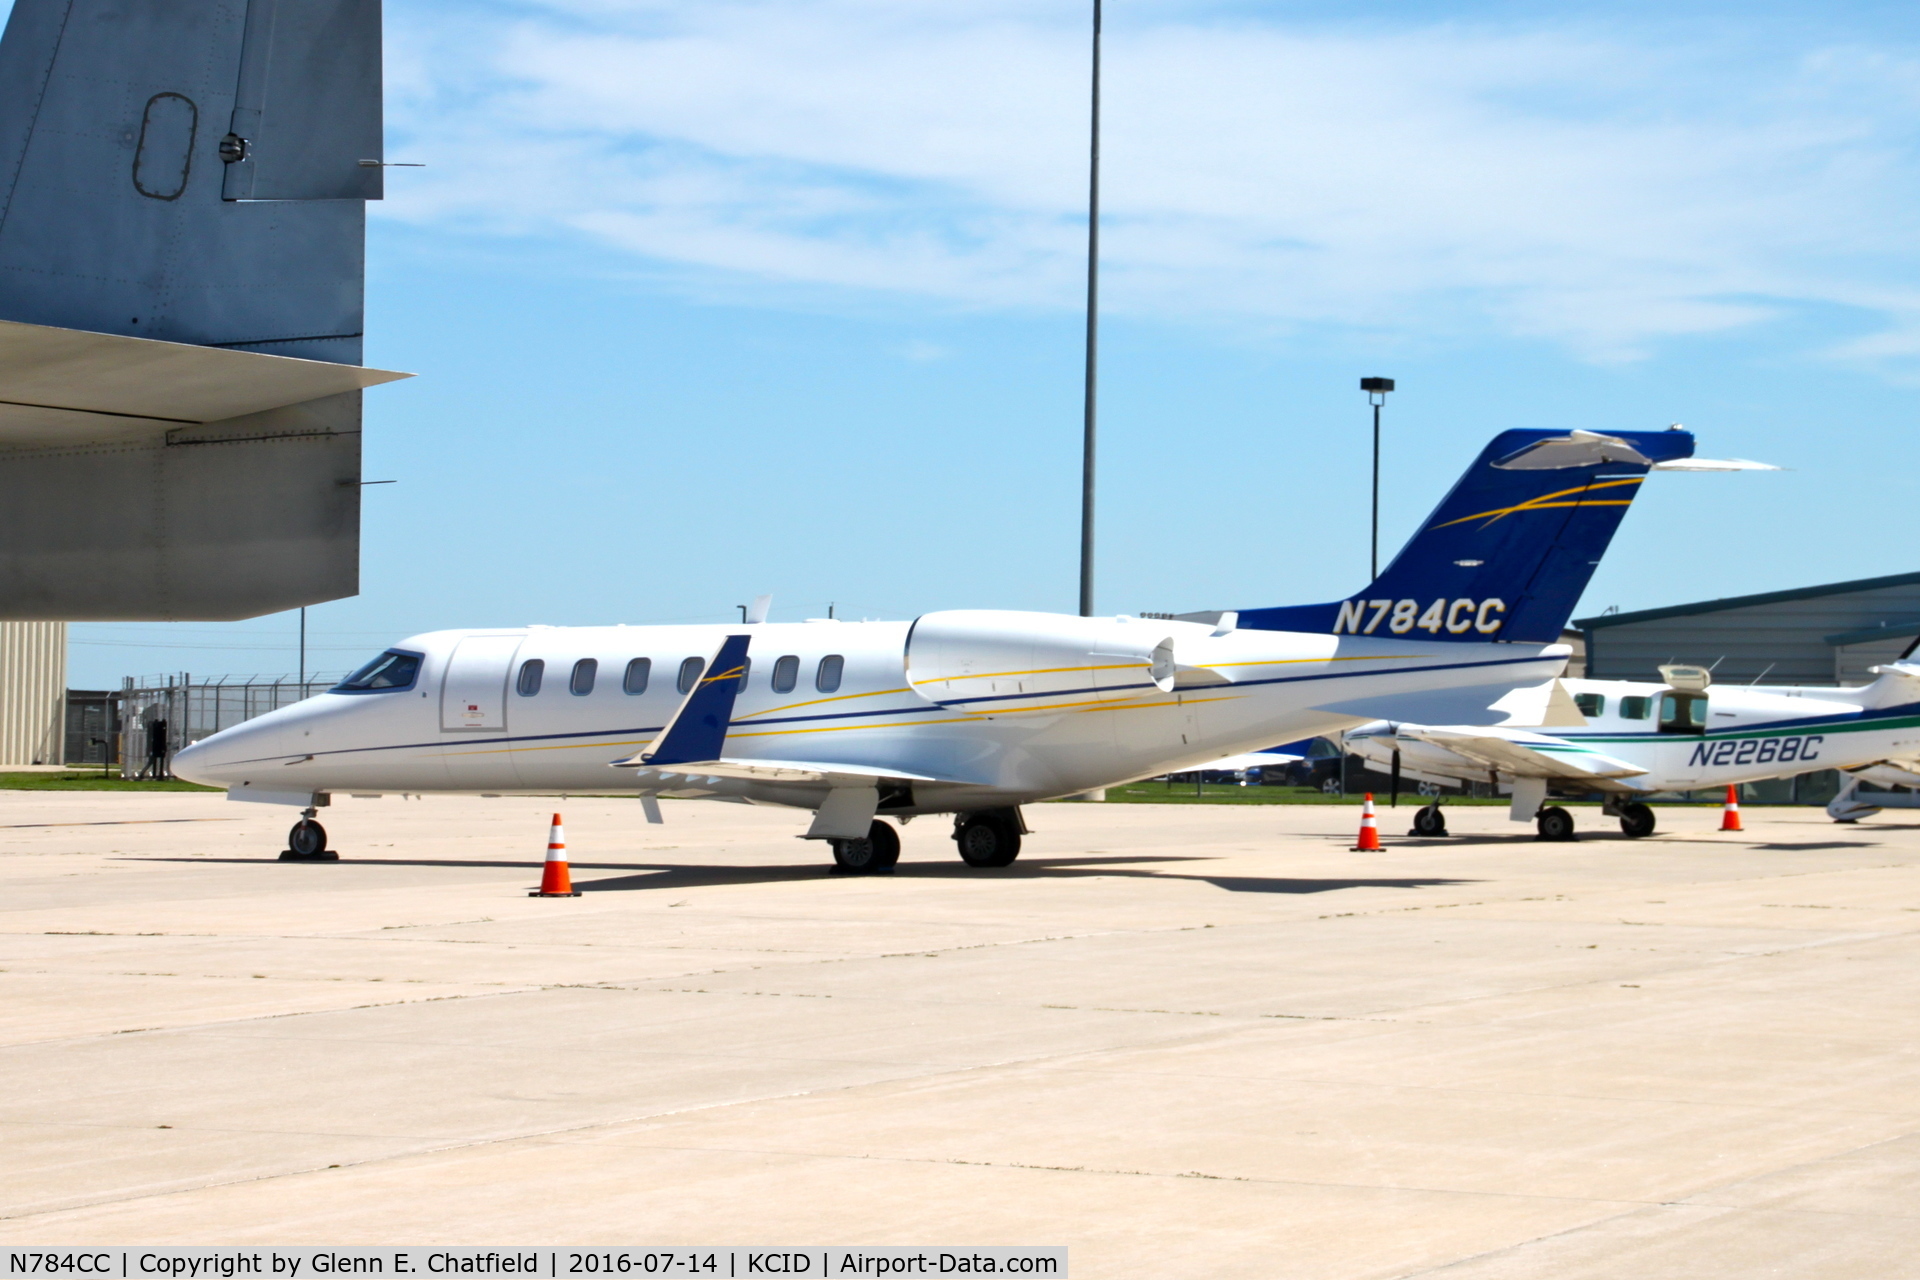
[(230, 756), (192, 762)]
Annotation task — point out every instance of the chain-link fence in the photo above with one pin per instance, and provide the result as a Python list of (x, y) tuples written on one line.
[(158, 715)]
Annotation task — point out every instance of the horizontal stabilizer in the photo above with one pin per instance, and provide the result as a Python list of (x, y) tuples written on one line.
[(1714, 464), (68, 385), (1896, 684)]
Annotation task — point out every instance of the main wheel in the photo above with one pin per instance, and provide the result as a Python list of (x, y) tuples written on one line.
[(1430, 821), (874, 855), (1332, 787), (987, 840), (1636, 819), (1554, 824), (307, 839)]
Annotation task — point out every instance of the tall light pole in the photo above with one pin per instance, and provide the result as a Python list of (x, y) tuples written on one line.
[(1093, 333), (1376, 389), (303, 651)]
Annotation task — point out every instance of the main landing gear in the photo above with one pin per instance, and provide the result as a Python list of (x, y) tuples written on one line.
[(873, 856), (307, 842), (1429, 821), (988, 838), (985, 837), (1553, 823), (1636, 820)]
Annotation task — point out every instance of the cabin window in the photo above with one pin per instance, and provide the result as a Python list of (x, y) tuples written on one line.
[(388, 673), (746, 673), (635, 681), (581, 682), (1591, 704), (530, 672), (827, 678), (690, 674), (786, 673), (1635, 708), (1683, 713)]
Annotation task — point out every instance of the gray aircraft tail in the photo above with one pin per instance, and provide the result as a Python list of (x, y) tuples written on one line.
[(182, 173)]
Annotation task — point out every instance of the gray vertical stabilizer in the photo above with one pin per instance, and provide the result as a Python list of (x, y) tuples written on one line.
[(183, 172)]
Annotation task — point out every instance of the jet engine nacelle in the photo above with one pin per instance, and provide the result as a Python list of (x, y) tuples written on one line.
[(1001, 662)]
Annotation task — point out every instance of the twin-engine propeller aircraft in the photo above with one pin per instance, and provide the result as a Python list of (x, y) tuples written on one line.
[(971, 712), (1621, 740)]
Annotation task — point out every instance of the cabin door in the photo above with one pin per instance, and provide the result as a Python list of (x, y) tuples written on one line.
[(474, 693)]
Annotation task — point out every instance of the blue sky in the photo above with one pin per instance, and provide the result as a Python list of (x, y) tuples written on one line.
[(709, 299)]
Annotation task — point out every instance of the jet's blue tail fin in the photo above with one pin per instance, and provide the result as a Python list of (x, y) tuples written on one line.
[(1507, 553)]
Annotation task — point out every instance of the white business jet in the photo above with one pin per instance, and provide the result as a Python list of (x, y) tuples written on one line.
[(1621, 740), (969, 712)]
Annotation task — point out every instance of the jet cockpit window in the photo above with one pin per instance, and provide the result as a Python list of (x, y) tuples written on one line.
[(391, 672), (827, 678), (1683, 713), (635, 681), (581, 682), (786, 673), (690, 674), (1635, 708), (530, 673), (1591, 704)]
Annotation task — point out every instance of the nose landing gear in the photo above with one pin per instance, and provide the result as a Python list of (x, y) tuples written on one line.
[(307, 842), (1429, 821)]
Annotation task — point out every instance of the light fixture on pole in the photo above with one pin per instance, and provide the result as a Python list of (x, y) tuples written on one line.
[(1093, 333), (1376, 389)]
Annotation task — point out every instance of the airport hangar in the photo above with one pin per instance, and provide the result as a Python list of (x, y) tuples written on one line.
[(1826, 635), (183, 198)]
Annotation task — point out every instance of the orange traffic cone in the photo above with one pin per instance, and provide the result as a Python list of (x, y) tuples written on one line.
[(555, 880), (1369, 828), (1730, 816)]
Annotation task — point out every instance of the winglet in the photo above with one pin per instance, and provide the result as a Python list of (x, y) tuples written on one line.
[(698, 729)]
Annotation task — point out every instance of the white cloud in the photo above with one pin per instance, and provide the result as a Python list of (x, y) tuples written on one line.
[(1593, 190)]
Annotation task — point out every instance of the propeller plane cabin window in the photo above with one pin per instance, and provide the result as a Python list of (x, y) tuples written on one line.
[(1683, 713)]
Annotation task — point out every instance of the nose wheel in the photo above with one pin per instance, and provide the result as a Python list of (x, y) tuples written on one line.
[(307, 842)]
